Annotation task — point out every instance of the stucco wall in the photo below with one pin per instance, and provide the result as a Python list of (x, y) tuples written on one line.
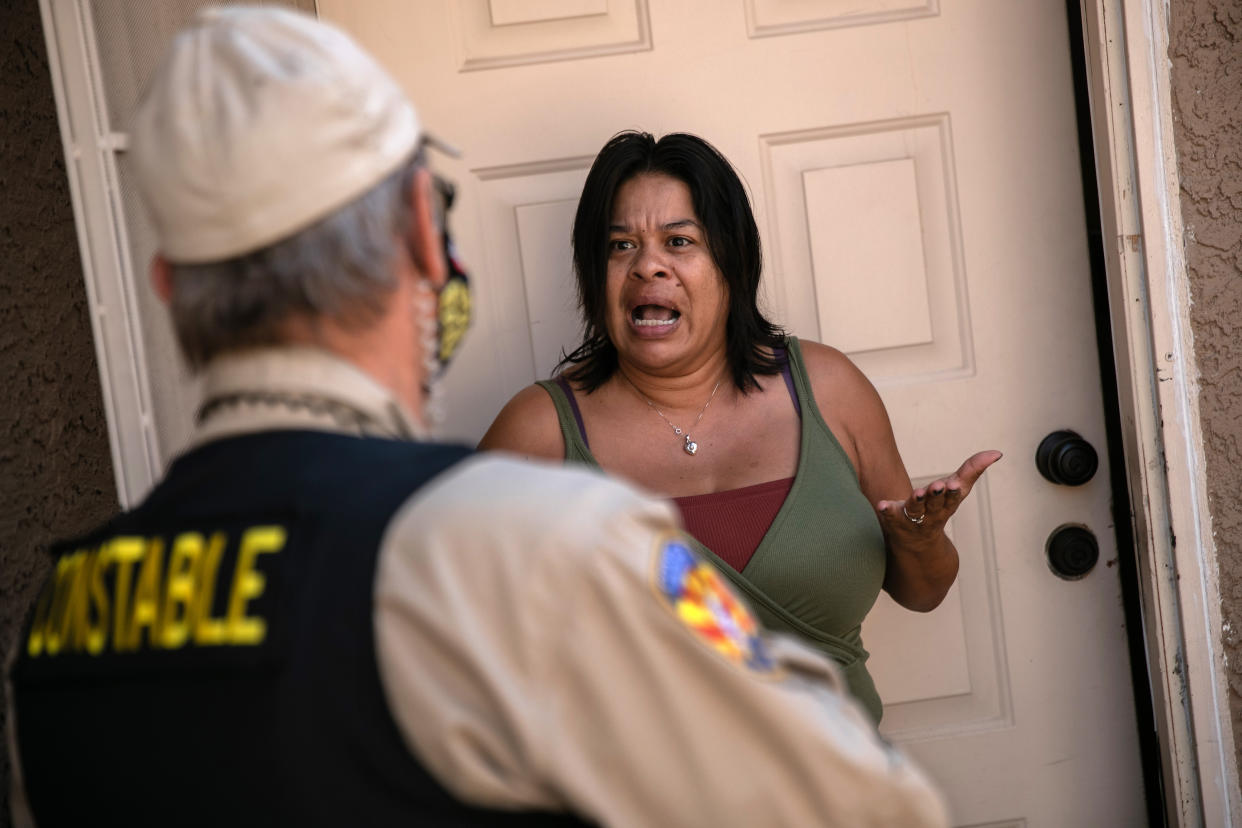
[(55, 466), (1205, 44)]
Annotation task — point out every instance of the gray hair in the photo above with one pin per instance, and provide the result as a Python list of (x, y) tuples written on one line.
[(339, 268)]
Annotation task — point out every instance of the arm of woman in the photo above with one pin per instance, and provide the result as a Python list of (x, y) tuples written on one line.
[(922, 561), (527, 426)]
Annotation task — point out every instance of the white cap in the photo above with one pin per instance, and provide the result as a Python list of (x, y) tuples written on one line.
[(258, 123)]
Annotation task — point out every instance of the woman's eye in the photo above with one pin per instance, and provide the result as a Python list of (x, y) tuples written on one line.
[(679, 241), (620, 244)]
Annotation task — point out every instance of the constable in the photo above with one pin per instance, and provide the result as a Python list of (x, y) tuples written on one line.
[(318, 616)]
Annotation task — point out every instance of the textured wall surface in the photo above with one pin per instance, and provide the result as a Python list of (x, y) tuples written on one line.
[(55, 466), (1205, 44)]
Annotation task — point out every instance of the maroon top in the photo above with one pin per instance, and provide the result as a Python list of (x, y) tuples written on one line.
[(732, 523)]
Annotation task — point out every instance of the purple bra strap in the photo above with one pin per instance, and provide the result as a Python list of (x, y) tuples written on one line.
[(781, 354), (573, 404)]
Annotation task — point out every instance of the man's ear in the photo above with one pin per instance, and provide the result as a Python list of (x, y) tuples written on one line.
[(161, 278), (424, 233)]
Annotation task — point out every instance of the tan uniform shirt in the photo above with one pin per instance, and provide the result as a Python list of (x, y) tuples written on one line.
[(535, 653)]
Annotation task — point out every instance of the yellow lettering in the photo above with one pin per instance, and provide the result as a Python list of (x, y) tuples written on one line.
[(249, 584), (57, 629), (208, 630), (78, 602), (35, 642), (146, 607), (183, 564), (97, 633), (123, 551), (78, 610)]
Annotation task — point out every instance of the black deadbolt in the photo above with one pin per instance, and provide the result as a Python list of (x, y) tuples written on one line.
[(1064, 457), (1072, 551)]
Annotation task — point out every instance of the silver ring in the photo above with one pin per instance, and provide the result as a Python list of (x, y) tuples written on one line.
[(917, 521)]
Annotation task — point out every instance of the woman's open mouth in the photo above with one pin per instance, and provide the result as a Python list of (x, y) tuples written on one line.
[(654, 316)]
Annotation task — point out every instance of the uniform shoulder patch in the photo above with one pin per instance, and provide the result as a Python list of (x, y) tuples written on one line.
[(703, 600)]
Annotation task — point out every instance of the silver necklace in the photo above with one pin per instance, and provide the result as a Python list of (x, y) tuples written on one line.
[(689, 446)]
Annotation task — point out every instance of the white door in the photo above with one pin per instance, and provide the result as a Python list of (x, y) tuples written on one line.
[(914, 171)]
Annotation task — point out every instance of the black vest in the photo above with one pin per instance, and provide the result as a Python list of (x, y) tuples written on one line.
[(209, 659)]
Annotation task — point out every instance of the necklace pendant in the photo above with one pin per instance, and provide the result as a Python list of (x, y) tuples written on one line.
[(691, 447)]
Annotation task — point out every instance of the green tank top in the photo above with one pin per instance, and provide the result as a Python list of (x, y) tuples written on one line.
[(819, 569)]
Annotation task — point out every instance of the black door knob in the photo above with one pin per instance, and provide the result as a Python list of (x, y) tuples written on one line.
[(1072, 551), (1064, 457)]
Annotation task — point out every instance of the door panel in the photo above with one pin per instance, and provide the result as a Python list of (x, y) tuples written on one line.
[(493, 34), (946, 672), (867, 232)]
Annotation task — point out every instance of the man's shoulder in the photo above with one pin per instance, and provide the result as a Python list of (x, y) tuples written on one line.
[(510, 488), (499, 506)]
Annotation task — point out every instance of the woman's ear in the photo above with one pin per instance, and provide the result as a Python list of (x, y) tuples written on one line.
[(161, 278), (426, 251)]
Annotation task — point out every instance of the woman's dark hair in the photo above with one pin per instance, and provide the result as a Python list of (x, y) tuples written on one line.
[(722, 207)]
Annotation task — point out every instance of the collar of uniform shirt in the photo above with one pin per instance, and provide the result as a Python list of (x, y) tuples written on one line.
[(296, 387)]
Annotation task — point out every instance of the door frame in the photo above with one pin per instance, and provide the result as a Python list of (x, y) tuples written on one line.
[(1127, 44), (1126, 47)]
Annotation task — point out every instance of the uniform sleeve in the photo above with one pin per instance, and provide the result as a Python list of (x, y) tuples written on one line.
[(547, 641)]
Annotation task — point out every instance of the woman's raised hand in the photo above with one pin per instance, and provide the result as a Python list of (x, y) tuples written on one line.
[(929, 507)]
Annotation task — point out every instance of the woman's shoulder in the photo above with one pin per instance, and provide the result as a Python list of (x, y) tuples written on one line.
[(824, 362), (835, 380), (528, 425)]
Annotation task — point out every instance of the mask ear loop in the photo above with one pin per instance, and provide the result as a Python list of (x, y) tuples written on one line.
[(426, 311), (425, 303)]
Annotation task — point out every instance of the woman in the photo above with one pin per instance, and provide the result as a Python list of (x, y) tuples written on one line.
[(778, 452)]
